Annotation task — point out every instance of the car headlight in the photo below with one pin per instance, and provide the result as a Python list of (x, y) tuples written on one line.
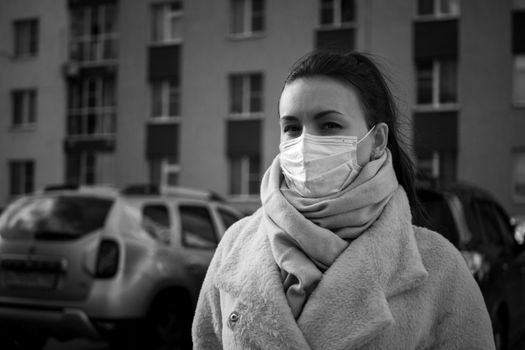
[(476, 263)]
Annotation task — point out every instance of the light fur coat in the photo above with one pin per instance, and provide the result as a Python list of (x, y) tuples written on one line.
[(395, 287)]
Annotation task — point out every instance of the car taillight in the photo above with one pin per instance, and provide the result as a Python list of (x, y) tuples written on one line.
[(476, 263), (107, 259)]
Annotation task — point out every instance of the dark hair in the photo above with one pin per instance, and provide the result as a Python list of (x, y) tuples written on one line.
[(362, 73)]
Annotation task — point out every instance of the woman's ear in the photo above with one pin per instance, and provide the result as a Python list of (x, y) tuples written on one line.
[(380, 140)]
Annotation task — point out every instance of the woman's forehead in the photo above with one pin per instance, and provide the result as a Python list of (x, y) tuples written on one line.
[(318, 93)]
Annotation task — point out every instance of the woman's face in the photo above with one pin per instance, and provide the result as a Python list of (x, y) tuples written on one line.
[(325, 107)]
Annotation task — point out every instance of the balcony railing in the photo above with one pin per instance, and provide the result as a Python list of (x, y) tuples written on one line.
[(91, 50), (91, 123)]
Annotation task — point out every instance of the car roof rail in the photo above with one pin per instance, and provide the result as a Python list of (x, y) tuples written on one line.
[(60, 187), (176, 191), (101, 188), (141, 189)]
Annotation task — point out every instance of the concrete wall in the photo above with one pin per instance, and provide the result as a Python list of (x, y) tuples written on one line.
[(488, 123), (209, 56), (43, 143), (385, 31), (489, 126), (133, 92)]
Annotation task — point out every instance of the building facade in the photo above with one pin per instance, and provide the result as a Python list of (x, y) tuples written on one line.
[(185, 92)]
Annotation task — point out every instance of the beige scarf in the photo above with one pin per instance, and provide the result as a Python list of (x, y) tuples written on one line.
[(307, 234)]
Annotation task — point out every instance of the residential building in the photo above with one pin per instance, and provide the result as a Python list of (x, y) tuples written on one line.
[(33, 48), (185, 92)]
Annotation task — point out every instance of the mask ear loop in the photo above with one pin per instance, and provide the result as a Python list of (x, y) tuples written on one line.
[(372, 154), (366, 135)]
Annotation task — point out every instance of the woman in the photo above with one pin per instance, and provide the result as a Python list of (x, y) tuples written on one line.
[(331, 259)]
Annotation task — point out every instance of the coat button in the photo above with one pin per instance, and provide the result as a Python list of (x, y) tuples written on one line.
[(233, 318)]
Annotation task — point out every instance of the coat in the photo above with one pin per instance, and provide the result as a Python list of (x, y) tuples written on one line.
[(396, 286)]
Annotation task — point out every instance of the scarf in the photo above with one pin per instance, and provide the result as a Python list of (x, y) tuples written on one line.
[(307, 235)]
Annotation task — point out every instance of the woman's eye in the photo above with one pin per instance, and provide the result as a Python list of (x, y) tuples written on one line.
[(291, 128), (331, 125)]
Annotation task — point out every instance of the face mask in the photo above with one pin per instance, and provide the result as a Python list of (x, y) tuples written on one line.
[(316, 166)]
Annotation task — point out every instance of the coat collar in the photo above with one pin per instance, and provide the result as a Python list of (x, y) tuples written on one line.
[(348, 308)]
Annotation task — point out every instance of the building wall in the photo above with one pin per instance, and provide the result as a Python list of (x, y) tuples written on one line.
[(489, 125), (43, 143), (386, 32), (290, 33), (209, 56), (133, 92)]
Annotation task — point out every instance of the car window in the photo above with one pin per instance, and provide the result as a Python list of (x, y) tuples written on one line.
[(55, 218), (197, 227), (227, 218), (437, 216), (504, 226), (495, 228), (507, 229), (156, 221), (470, 215)]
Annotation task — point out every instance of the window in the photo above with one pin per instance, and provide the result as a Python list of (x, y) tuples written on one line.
[(247, 17), (518, 176), (227, 218), (26, 38), (83, 168), (92, 107), (438, 215), (436, 83), (428, 167), (94, 33), (336, 13), (90, 168), (21, 177), (437, 8), (165, 99), (519, 80), (496, 224), (166, 22), (489, 223), (437, 167), (197, 227), (243, 137), (59, 217), (156, 221), (164, 171), (245, 174), (246, 94), (23, 107)]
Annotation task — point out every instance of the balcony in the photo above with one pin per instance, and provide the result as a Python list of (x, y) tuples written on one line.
[(92, 129)]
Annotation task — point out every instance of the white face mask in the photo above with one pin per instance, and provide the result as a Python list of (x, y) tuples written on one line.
[(317, 166)]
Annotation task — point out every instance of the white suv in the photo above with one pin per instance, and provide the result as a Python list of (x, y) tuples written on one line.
[(102, 264)]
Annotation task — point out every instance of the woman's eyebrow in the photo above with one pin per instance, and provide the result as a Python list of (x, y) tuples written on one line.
[(323, 114), (288, 118)]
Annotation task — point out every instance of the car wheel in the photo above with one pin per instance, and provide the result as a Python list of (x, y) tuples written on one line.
[(17, 339), (500, 331), (168, 325)]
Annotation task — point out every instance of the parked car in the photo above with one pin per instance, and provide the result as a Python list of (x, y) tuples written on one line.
[(97, 263), (481, 229)]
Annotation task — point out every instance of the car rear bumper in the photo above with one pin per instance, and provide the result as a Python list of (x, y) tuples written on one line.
[(68, 323)]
